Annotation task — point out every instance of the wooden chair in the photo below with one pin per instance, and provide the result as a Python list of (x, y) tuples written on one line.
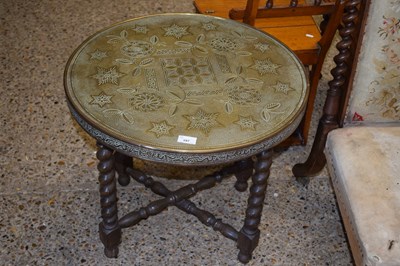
[(363, 157), (291, 22), (340, 87)]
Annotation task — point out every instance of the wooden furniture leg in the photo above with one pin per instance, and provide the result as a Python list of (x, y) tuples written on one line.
[(110, 232), (243, 173), (250, 234), (181, 202), (121, 163), (329, 120)]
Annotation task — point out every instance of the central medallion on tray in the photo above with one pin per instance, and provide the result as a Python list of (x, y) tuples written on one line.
[(187, 71)]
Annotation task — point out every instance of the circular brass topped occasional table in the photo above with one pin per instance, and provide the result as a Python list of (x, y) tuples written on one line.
[(185, 89)]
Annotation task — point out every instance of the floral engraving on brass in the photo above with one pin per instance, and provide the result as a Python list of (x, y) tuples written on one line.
[(181, 96), (129, 90), (146, 102), (137, 49), (160, 129), (151, 79), (209, 26), (185, 158), (247, 122), (176, 31), (107, 75), (243, 95), (187, 71), (263, 47), (140, 29), (98, 55), (282, 87), (176, 51), (147, 81), (203, 121), (265, 66), (223, 63), (271, 110), (133, 48), (101, 99), (126, 115), (224, 44)]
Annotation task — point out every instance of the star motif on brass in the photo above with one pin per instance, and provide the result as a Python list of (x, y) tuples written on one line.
[(263, 47), (209, 26), (101, 99), (265, 66), (282, 87), (161, 129), (107, 75), (247, 122), (176, 31), (98, 55), (140, 29), (203, 121)]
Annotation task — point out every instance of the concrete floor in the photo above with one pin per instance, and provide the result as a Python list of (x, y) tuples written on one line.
[(48, 195)]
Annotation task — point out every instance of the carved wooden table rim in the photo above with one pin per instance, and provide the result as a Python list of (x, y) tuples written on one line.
[(185, 89)]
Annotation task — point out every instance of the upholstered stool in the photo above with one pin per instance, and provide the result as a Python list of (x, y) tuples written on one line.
[(364, 163)]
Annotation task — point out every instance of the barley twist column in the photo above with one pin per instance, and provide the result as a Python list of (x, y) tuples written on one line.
[(110, 232), (329, 120), (250, 234), (122, 162), (243, 174)]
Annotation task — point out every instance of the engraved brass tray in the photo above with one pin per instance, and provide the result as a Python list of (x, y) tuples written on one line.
[(186, 88)]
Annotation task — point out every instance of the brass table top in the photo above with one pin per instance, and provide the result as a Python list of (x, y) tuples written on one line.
[(186, 88)]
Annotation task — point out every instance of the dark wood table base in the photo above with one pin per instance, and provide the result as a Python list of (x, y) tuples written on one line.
[(112, 163)]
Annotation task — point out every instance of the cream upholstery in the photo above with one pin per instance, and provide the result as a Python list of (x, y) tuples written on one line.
[(364, 163)]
